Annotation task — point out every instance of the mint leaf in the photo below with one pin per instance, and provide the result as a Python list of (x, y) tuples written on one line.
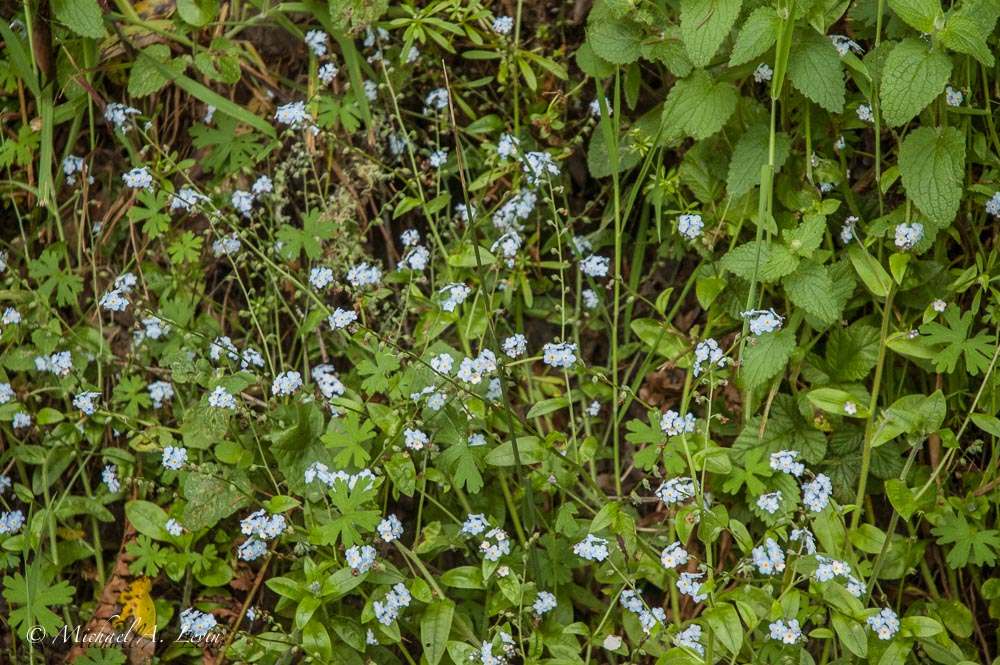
[(765, 359), (931, 162), (750, 154), (704, 24), (84, 17), (913, 76), (759, 31), (780, 262), (617, 40), (197, 12), (814, 68), (145, 77), (670, 51), (962, 34), (852, 352), (741, 260), (805, 238), (919, 14), (811, 288), (699, 106)]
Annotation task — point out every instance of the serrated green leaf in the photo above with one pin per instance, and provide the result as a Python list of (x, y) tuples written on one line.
[(852, 352), (970, 543), (767, 358), (704, 24), (931, 162), (617, 41), (919, 14), (84, 17), (805, 238), (758, 33), (741, 260), (780, 262), (146, 77), (811, 288), (958, 342), (698, 105), (814, 69), (962, 34), (751, 152), (913, 76), (670, 51)]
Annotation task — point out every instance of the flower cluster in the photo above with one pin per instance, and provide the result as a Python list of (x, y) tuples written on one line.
[(174, 528), (174, 457), (647, 618), (705, 354), (561, 354), (672, 423), (769, 558), (455, 294), (364, 275), (688, 584), (844, 44), (360, 558), (390, 529), (762, 321), (592, 548), (769, 502), (473, 370), (261, 528), (86, 402), (196, 624), (908, 235), (320, 471), (690, 637), (59, 363), (160, 392), (286, 383), (789, 633), (109, 476), (221, 399), (784, 461), (320, 277), (537, 166), (317, 41), (387, 611), (885, 624), (816, 493), (763, 73), (674, 555), (690, 226), (595, 266), (544, 602), (676, 490), (847, 230), (492, 551), (118, 115), (326, 379), (341, 318), (11, 522), (515, 346), (993, 205), (953, 97)]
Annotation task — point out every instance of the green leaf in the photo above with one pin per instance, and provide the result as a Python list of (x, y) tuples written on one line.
[(616, 39), (345, 527), (84, 17), (378, 372), (349, 436), (742, 260), (767, 358), (901, 497), (917, 415), (547, 406), (198, 12), (851, 634), (780, 262), (212, 495), (704, 24), (932, 162), (919, 14), (50, 277), (852, 352), (699, 106), (970, 543), (811, 288), (528, 448), (148, 76), (814, 68), (954, 335), (962, 34), (35, 599), (726, 626), (354, 15), (435, 626), (659, 338), (750, 154), (832, 401), (670, 51), (758, 33), (805, 238), (913, 76), (465, 466), (869, 270), (147, 518)]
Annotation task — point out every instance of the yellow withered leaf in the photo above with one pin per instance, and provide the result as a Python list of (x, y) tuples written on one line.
[(138, 608)]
